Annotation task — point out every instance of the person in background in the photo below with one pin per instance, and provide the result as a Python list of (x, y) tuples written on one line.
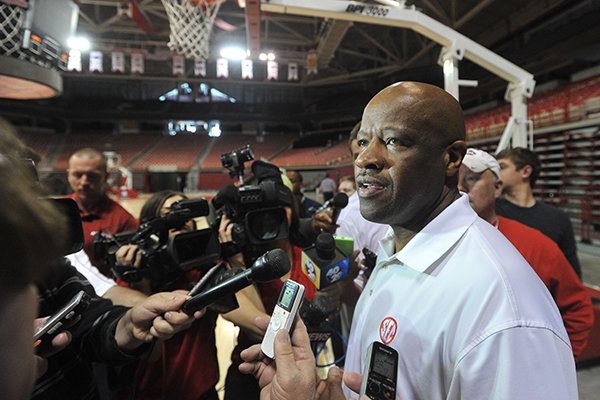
[(479, 177), (347, 185), (185, 366), (327, 187), (519, 170), (87, 175), (308, 206)]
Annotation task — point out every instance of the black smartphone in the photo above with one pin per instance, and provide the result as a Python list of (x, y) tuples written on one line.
[(58, 322), (370, 258), (379, 376)]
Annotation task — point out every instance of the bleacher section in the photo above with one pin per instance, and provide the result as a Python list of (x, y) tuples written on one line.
[(39, 140), (314, 156), (127, 146), (173, 153), (567, 103), (262, 150)]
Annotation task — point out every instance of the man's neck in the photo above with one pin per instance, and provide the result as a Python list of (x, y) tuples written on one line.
[(90, 206), (403, 234), (521, 196)]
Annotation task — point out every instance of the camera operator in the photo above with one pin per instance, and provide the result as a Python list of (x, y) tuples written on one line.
[(104, 333), (255, 218), (186, 365)]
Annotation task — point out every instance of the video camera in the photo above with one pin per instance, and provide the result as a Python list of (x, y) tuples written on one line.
[(164, 258), (235, 160), (256, 211)]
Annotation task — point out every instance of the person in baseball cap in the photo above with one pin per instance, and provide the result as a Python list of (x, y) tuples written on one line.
[(478, 161)]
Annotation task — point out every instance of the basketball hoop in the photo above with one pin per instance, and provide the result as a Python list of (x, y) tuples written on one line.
[(191, 24), (11, 25)]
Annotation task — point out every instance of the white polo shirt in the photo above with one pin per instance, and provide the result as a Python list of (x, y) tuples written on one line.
[(467, 319)]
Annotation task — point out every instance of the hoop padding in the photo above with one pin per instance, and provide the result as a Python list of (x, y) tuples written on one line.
[(191, 26), (11, 30)]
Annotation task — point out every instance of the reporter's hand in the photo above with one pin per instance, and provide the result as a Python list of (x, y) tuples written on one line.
[(129, 255), (225, 230), (59, 342), (157, 317), (323, 222), (292, 375)]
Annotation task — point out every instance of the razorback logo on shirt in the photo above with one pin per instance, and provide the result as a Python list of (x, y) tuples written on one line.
[(387, 330)]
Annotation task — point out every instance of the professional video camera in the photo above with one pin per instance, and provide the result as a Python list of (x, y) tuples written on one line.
[(256, 211), (234, 161), (164, 257)]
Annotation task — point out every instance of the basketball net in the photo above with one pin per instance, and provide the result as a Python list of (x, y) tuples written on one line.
[(191, 24), (11, 24)]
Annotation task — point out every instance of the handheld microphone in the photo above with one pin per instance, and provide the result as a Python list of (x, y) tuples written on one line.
[(339, 201), (324, 263), (270, 266)]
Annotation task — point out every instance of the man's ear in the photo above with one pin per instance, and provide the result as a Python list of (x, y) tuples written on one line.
[(526, 172), (498, 188), (455, 153)]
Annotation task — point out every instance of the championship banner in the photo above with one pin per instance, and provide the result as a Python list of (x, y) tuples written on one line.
[(74, 63), (311, 62), (137, 63), (292, 72), (200, 67), (178, 65), (96, 61), (118, 61), (247, 71), (272, 70), (222, 68)]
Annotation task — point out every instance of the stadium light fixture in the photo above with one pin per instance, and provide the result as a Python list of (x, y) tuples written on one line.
[(233, 53), (79, 43)]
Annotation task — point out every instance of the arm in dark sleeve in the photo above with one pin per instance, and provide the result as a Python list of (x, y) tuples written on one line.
[(304, 235), (93, 336), (568, 246)]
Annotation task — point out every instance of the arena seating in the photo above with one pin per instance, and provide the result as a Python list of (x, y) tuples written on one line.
[(173, 153)]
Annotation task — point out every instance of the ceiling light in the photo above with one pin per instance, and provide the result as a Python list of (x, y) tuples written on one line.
[(78, 43), (233, 53), (263, 57), (271, 56)]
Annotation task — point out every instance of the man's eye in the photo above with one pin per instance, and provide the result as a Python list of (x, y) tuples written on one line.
[(362, 142), (392, 141)]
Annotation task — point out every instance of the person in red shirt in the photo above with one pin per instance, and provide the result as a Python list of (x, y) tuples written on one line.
[(87, 175), (479, 177)]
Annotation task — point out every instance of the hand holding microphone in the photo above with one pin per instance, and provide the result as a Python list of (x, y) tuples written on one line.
[(326, 216), (270, 266)]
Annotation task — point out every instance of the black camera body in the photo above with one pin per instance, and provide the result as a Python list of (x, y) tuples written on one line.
[(234, 161), (257, 211), (164, 258)]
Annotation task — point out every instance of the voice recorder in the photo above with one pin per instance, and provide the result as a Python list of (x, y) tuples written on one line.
[(284, 314), (379, 375)]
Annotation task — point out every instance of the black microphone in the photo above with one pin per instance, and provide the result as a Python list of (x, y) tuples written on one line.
[(324, 263), (270, 266), (339, 201)]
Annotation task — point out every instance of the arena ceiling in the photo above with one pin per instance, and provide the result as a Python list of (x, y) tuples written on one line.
[(551, 39)]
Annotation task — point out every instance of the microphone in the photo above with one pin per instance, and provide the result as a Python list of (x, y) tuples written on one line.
[(339, 201), (270, 266), (324, 263), (314, 314)]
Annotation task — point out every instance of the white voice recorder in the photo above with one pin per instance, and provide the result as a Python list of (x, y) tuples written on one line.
[(284, 314), (379, 375)]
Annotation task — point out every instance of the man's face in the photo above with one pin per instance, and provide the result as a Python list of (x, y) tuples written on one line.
[(482, 187), (509, 174), (346, 187), (87, 177), (400, 169), (294, 177)]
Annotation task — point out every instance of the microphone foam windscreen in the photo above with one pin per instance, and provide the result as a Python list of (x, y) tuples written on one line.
[(325, 246), (279, 262), (340, 200)]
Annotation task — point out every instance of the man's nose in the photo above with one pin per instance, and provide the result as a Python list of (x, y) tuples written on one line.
[(370, 156), (461, 185)]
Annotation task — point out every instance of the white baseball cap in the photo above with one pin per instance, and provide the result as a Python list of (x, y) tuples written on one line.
[(478, 161)]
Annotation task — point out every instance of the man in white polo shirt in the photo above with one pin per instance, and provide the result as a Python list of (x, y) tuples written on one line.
[(449, 292), (468, 317)]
